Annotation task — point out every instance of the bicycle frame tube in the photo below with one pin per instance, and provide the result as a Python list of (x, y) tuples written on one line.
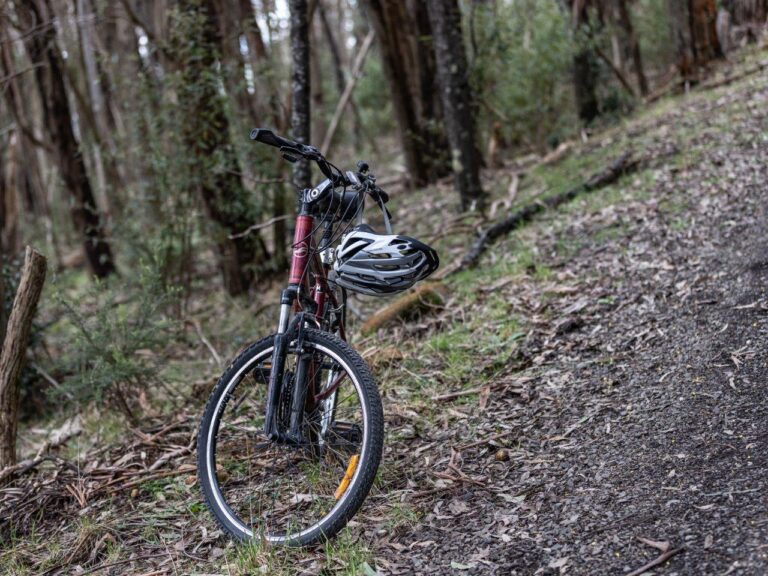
[(300, 295)]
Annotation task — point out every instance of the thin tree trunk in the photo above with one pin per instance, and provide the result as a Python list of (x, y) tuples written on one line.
[(338, 69), (694, 35), (57, 120), (585, 65), (300, 90), (14, 351), (346, 96), (391, 23), (633, 46), (458, 107)]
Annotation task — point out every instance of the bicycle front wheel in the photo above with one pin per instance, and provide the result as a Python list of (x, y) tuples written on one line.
[(297, 493)]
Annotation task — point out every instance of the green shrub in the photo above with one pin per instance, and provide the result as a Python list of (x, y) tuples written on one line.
[(115, 335)]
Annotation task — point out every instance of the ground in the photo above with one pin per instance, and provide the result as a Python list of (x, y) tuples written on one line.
[(599, 379)]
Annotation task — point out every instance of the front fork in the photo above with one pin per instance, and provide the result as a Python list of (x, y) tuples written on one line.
[(286, 332), (282, 340)]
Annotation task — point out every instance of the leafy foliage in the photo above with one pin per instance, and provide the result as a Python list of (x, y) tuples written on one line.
[(113, 340), (524, 50)]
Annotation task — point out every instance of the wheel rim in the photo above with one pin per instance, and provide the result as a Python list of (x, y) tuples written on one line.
[(283, 493)]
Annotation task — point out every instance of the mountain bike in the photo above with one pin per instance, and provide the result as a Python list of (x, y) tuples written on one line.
[(292, 434)]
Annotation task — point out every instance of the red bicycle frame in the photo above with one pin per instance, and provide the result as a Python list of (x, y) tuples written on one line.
[(306, 266)]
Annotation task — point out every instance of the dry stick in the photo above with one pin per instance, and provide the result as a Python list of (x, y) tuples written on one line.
[(347, 95), (624, 164), (15, 348), (131, 484), (205, 341), (486, 440), (258, 227), (660, 560), (119, 562)]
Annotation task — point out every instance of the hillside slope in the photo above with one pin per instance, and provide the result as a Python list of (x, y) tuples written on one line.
[(598, 379)]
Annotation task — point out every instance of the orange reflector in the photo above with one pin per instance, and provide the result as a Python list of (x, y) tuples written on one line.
[(351, 467)]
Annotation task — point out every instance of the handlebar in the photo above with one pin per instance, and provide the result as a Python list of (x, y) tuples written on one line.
[(338, 178)]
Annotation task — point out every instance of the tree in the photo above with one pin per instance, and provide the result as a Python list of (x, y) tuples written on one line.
[(748, 17), (458, 108), (300, 90), (694, 35), (214, 170), (43, 51), (624, 21), (585, 59), (404, 35)]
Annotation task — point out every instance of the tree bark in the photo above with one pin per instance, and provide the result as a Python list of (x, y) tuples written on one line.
[(585, 64), (633, 46), (396, 39), (214, 170), (57, 120), (300, 90), (748, 18), (14, 350), (458, 108), (694, 35)]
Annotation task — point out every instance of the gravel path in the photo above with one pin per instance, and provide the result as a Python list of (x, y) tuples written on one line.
[(635, 407)]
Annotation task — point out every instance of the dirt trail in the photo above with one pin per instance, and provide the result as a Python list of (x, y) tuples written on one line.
[(632, 405), (643, 410)]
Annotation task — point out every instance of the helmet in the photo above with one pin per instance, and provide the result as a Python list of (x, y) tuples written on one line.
[(378, 264)]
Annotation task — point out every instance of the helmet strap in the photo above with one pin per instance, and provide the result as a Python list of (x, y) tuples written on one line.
[(384, 211)]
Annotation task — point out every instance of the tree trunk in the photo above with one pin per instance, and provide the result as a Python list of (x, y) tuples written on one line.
[(14, 351), (214, 170), (694, 34), (300, 91), (633, 46), (748, 18), (456, 93), (57, 120), (395, 35), (585, 63)]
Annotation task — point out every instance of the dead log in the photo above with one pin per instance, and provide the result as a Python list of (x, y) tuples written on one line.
[(624, 164), (14, 350), (426, 296)]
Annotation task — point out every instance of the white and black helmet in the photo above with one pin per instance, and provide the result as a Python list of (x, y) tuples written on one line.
[(378, 264)]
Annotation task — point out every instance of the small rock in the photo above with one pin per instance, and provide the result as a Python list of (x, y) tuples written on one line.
[(135, 493), (502, 455)]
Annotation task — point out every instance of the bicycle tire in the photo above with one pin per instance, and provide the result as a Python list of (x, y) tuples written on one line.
[(372, 444)]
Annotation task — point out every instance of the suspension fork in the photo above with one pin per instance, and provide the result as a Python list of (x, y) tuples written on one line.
[(282, 340)]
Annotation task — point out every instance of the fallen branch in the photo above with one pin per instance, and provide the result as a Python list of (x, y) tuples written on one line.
[(665, 555), (426, 296), (40, 457), (717, 82), (624, 164)]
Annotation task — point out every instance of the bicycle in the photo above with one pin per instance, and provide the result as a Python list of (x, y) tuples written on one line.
[(292, 435)]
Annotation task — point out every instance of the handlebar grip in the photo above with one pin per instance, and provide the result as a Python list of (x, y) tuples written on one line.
[(269, 138)]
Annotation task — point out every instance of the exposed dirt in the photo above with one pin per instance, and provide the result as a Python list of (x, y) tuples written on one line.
[(632, 406), (643, 413)]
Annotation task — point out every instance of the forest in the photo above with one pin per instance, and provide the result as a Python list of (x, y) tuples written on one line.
[(577, 389)]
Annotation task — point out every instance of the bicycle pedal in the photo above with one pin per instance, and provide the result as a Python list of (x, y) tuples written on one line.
[(344, 434)]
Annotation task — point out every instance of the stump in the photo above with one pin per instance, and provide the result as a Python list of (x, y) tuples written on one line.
[(14, 350)]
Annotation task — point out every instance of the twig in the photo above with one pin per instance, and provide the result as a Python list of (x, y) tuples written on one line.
[(174, 454), (199, 330), (39, 458), (486, 440), (119, 562), (147, 478), (660, 560), (258, 226), (51, 380)]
